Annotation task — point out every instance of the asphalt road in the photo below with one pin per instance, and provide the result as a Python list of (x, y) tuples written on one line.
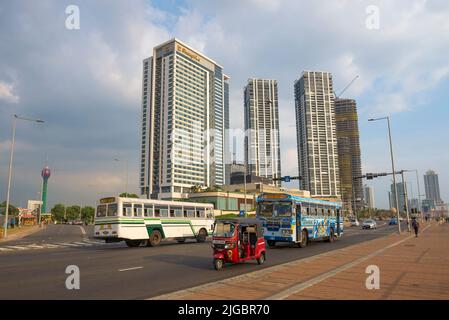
[(114, 271)]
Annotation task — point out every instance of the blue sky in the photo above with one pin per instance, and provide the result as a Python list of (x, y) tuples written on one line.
[(86, 83)]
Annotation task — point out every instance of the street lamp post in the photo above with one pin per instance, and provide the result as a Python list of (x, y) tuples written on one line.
[(16, 117), (404, 187), (393, 170), (126, 180)]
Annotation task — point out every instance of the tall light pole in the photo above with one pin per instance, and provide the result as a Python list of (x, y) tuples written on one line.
[(404, 187), (392, 167), (126, 180), (419, 191), (14, 123)]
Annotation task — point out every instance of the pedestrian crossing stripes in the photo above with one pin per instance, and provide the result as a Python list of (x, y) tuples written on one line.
[(86, 242)]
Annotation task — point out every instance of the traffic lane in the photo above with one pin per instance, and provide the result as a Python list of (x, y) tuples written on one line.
[(54, 233), (137, 273)]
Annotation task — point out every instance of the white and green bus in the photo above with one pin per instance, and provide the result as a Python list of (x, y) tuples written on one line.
[(147, 222)]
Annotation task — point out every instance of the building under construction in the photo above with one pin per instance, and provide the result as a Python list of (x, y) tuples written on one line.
[(349, 158)]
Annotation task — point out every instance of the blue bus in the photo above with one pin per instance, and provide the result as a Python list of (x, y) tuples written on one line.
[(298, 220)]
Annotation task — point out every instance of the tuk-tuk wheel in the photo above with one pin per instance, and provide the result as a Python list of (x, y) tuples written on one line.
[(261, 259), (218, 264)]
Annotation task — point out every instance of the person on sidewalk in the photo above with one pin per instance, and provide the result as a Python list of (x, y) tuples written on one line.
[(415, 225)]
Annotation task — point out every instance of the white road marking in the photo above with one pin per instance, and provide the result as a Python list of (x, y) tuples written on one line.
[(84, 244), (129, 269), (6, 249), (17, 248), (82, 230)]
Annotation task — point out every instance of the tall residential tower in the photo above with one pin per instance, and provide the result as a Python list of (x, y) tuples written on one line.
[(349, 159), (432, 186), (185, 104), (316, 134), (262, 149)]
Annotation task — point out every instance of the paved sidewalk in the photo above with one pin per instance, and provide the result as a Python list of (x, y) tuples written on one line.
[(410, 268), (19, 233)]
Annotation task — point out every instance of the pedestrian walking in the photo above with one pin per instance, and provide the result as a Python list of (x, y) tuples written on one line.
[(415, 225)]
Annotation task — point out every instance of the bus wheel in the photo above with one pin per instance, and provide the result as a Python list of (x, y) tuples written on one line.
[(133, 243), (181, 240), (271, 243), (155, 238), (304, 239), (331, 236), (218, 264), (202, 235)]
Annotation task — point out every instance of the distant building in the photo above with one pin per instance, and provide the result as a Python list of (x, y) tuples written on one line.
[(316, 134), (349, 158), (413, 204), (262, 147), (185, 102), (34, 206), (369, 197), (401, 197), (432, 187)]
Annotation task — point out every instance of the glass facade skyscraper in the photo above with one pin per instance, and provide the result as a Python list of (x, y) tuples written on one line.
[(262, 147), (316, 134), (185, 102)]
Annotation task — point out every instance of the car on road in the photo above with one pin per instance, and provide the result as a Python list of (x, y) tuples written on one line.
[(77, 222), (393, 221), (354, 223), (369, 224)]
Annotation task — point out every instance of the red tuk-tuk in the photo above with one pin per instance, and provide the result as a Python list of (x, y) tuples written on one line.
[(238, 240)]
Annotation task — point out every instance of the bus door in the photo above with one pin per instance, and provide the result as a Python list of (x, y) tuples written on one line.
[(338, 222), (298, 223)]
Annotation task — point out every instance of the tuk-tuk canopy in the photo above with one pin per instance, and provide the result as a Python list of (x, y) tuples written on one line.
[(245, 222)]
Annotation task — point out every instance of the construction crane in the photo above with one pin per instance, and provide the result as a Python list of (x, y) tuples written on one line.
[(346, 88)]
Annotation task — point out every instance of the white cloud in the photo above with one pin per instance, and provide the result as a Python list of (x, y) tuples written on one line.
[(7, 92)]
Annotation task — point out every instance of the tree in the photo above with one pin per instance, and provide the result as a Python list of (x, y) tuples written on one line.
[(87, 214), (13, 211), (73, 212), (57, 212), (128, 195)]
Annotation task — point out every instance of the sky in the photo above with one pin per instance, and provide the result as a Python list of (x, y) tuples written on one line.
[(86, 83)]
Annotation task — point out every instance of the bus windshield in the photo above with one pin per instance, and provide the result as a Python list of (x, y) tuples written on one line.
[(274, 209), (224, 230)]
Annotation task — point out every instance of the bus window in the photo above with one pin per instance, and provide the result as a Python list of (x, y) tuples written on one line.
[(200, 212), (127, 210), (147, 210), (112, 210), (160, 211), (137, 210), (101, 210), (189, 213), (210, 213), (176, 212)]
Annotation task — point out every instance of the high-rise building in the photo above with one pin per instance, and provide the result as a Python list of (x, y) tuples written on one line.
[(401, 196), (316, 135), (262, 148), (184, 117), (349, 159), (369, 197), (432, 186)]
